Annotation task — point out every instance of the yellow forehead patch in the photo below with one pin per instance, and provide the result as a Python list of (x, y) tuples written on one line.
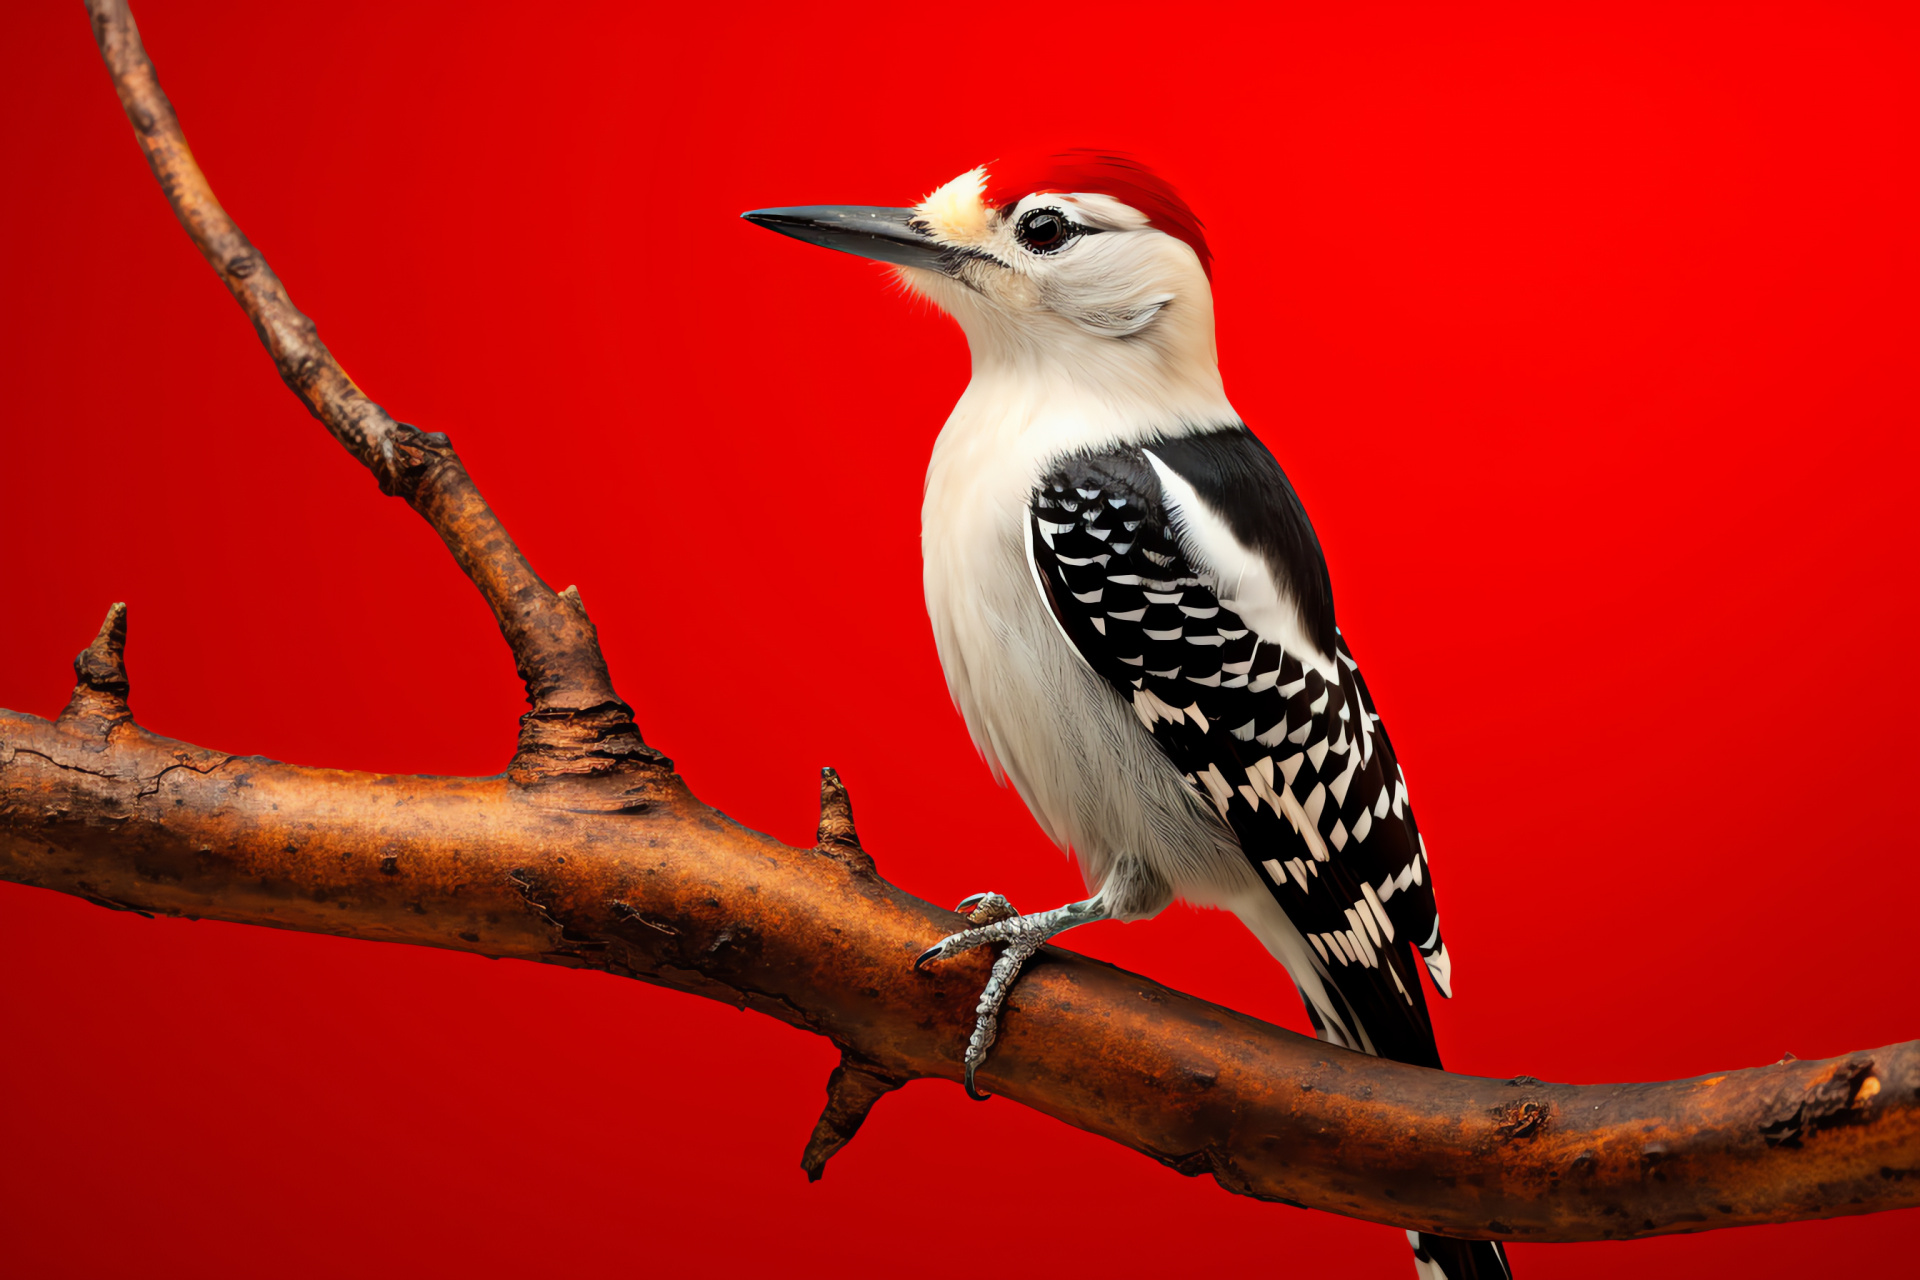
[(957, 213)]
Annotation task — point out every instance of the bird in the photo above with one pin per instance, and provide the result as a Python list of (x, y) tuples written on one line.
[(1134, 614)]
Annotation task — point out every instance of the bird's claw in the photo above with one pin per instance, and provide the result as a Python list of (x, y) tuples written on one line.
[(993, 919), (973, 1092), (986, 1025), (980, 910), (984, 912), (985, 908)]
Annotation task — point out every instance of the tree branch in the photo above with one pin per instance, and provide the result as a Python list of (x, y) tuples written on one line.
[(577, 724), (592, 852), (671, 892)]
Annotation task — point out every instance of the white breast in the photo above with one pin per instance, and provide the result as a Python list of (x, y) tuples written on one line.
[(1045, 722)]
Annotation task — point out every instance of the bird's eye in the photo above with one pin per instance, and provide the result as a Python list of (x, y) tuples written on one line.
[(1044, 230)]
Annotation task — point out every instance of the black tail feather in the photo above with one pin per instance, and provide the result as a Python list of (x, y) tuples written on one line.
[(1390, 1004), (1396, 1020), (1459, 1259)]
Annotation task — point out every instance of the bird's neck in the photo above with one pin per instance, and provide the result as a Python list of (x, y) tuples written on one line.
[(1022, 410), (1055, 389)]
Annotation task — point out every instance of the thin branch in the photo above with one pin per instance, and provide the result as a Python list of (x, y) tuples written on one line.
[(610, 863), (577, 724)]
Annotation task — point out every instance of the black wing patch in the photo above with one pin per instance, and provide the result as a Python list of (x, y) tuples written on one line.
[(1297, 764), (1239, 478)]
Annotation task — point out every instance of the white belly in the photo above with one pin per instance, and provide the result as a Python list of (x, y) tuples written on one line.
[(1091, 775)]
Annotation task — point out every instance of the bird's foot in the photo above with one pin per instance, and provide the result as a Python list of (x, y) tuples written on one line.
[(995, 920), (986, 908)]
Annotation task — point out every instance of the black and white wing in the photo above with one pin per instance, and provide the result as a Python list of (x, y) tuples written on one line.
[(1187, 575)]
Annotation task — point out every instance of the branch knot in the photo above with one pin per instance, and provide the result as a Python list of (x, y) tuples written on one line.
[(403, 454)]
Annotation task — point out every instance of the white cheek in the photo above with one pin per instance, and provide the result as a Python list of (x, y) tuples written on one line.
[(1015, 290)]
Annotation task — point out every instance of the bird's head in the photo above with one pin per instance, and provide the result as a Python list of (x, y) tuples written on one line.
[(1087, 265)]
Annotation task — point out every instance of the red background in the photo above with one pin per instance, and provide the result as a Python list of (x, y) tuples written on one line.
[(1588, 338)]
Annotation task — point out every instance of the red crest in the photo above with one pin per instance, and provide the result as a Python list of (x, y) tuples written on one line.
[(1107, 173)]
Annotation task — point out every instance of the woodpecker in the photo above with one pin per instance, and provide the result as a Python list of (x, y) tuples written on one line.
[(1134, 614)]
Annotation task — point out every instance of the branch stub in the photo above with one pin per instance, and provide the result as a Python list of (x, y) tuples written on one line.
[(99, 701), (852, 1089), (836, 833)]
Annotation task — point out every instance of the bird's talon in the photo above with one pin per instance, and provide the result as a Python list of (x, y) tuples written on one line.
[(995, 921), (986, 908), (973, 1091)]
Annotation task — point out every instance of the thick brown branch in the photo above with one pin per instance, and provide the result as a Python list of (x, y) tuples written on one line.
[(654, 885), (577, 724)]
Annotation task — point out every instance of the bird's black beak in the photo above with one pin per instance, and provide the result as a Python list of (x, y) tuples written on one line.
[(866, 231)]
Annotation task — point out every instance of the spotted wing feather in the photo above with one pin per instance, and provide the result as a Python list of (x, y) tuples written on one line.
[(1294, 758)]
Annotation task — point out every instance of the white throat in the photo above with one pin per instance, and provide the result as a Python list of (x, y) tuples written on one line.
[(1044, 384)]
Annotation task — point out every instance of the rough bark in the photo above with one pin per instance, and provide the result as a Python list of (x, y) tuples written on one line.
[(591, 851)]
